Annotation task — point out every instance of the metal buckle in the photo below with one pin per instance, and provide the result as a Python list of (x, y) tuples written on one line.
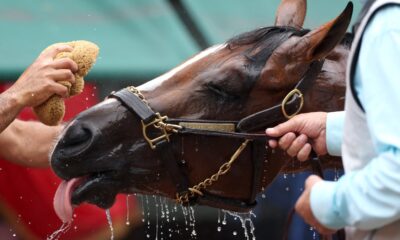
[(287, 98), (158, 122)]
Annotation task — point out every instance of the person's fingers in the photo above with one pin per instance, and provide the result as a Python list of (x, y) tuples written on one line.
[(273, 143), (311, 180), (286, 140), (65, 63), (296, 145), (52, 51), (59, 89), (291, 125), (63, 75), (304, 152)]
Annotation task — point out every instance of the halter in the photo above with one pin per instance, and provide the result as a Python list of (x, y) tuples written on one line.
[(157, 131)]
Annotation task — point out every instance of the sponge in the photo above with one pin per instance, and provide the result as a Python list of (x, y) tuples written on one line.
[(84, 54)]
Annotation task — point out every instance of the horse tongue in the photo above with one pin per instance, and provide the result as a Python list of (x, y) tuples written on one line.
[(62, 199)]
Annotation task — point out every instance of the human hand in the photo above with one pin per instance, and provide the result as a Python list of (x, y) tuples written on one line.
[(40, 80), (311, 130), (303, 207)]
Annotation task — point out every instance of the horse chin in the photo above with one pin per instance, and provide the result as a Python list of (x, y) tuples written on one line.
[(99, 189)]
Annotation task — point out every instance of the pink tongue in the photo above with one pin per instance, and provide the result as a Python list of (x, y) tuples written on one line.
[(62, 199)]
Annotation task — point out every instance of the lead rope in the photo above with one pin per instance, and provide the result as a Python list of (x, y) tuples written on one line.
[(316, 169)]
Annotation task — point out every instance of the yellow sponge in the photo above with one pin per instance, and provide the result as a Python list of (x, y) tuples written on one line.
[(84, 53)]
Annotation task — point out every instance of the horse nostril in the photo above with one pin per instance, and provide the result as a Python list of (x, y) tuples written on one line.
[(77, 135)]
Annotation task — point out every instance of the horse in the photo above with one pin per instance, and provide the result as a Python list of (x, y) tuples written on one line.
[(194, 134)]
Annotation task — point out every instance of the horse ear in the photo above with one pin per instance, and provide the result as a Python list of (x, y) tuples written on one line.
[(291, 13), (319, 42), (288, 61)]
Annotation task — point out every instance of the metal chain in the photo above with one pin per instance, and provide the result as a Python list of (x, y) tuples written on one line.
[(197, 189), (136, 91)]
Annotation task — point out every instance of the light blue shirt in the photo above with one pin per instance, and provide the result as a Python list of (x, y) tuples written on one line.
[(369, 198)]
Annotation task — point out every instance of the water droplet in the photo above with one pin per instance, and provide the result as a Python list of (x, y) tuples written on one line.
[(263, 195), (14, 235), (219, 229), (234, 233)]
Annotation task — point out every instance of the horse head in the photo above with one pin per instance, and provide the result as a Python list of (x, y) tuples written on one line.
[(104, 146)]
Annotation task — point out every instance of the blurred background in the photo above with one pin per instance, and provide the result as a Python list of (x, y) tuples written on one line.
[(138, 40)]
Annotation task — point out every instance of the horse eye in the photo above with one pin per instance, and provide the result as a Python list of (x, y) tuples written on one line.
[(220, 91)]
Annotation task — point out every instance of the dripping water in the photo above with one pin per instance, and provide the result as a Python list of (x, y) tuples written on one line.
[(148, 216), (247, 223), (224, 220), (56, 234), (127, 222), (109, 220), (192, 223), (219, 221)]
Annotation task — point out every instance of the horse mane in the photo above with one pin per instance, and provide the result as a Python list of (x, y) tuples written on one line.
[(263, 41)]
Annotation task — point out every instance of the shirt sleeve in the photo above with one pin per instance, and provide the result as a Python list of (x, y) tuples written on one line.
[(334, 132), (369, 198)]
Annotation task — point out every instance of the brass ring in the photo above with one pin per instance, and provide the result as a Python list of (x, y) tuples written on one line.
[(287, 98)]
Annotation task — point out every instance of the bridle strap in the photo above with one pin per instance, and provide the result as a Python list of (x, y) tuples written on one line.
[(136, 103), (292, 104)]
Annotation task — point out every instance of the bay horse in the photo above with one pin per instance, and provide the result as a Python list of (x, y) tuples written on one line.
[(209, 150)]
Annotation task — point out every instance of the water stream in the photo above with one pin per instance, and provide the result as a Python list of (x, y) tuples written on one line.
[(247, 223), (165, 223), (56, 234), (127, 222), (109, 220)]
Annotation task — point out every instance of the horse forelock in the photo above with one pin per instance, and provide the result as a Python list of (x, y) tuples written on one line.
[(153, 84)]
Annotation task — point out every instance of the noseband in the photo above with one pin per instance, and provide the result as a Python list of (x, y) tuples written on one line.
[(157, 131)]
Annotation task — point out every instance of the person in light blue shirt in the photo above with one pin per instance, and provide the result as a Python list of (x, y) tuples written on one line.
[(367, 196)]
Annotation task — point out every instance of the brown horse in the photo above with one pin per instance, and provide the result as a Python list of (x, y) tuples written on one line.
[(104, 147)]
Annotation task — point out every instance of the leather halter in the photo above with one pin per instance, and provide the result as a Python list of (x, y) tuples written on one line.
[(157, 130)]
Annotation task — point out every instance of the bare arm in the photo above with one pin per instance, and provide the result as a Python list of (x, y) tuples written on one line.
[(28, 143), (9, 109)]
